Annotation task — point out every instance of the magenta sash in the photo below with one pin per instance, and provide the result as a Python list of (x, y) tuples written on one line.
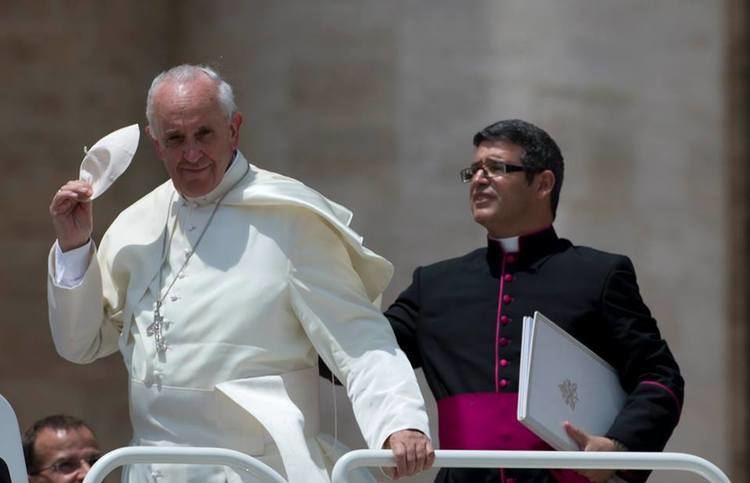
[(487, 421)]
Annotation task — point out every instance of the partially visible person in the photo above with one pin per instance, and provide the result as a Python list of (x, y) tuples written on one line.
[(461, 318), (4, 472), (59, 449)]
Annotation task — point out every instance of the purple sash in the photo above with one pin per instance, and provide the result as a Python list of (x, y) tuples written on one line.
[(487, 421)]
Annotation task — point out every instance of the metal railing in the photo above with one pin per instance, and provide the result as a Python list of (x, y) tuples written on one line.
[(625, 460), (443, 459), (180, 455)]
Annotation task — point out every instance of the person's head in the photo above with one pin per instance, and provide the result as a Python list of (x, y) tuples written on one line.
[(59, 449), (515, 177), (4, 472), (195, 126)]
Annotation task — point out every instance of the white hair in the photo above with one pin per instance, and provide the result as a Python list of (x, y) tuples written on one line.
[(188, 72)]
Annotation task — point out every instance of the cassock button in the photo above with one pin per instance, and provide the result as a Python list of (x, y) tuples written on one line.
[(510, 480), (503, 341), (507, 299), (503, 362), (508, 277), (503, 383), (504, 320)]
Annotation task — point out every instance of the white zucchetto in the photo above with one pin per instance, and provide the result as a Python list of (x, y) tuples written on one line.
[(109, 158)]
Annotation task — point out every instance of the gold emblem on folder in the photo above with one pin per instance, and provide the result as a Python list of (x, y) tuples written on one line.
[(569, 392)]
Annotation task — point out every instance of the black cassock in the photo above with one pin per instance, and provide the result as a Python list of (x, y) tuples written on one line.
[(460, 320)]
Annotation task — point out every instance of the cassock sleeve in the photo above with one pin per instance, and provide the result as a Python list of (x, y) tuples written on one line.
[(648, 371), (403, 316), (83, 328), (350, 334)]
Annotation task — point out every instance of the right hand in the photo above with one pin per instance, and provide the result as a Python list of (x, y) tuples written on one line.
[(72, 216), (588, 442), (412, 451)]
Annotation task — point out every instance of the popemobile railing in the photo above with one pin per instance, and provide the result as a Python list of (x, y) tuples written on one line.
[(626, 460), (181, 455), (443, 458)]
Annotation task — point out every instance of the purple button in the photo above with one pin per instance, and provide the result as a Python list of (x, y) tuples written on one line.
[(508, 277), (504, 363), (507, 299), (504, 320), (503, 382), (503, 341)]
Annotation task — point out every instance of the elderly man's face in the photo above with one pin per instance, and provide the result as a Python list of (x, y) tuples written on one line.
[(64, 456), (192, 135)]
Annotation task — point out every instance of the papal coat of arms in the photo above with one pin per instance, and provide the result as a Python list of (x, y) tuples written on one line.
[(569, 392)]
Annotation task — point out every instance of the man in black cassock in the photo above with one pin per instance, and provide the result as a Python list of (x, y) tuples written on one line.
[(460, 320)]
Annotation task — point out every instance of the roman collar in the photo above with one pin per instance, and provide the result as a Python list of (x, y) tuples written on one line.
[(529, 248)]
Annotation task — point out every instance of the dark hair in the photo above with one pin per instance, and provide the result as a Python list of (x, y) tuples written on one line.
[(540, 151), (4, 472), (54, 422)]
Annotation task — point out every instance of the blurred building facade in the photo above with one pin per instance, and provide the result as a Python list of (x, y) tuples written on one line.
[(374, 104)]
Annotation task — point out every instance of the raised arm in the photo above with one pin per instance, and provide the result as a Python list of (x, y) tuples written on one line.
[(76, 314)]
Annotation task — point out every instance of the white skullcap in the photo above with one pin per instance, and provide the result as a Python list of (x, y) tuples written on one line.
[(109, 158)]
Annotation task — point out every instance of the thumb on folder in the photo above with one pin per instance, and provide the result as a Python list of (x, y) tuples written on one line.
[(588, 442)]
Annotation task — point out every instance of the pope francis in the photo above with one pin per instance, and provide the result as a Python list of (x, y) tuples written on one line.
[(220, 288)]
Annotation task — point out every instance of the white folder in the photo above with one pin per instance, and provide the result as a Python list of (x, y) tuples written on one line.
[(562, 380)]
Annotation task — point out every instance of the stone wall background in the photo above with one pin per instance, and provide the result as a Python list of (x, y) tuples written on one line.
[(374, 104)]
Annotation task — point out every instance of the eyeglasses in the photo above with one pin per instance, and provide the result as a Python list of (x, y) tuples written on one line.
[(491, 168), (69, 465)]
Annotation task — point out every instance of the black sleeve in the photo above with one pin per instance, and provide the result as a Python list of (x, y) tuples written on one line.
[(403, 315), (648, 371)]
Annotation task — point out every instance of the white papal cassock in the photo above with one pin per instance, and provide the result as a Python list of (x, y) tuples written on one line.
[(277, 278)]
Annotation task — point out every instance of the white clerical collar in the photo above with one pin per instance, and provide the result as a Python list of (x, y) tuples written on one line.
[(509, 244), (233, 174)]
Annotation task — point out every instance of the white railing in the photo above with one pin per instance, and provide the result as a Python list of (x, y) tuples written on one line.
[(443, 458), (180, 455), (627, 460)]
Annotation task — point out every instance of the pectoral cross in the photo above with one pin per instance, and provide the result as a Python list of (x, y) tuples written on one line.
[(156, 330)]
